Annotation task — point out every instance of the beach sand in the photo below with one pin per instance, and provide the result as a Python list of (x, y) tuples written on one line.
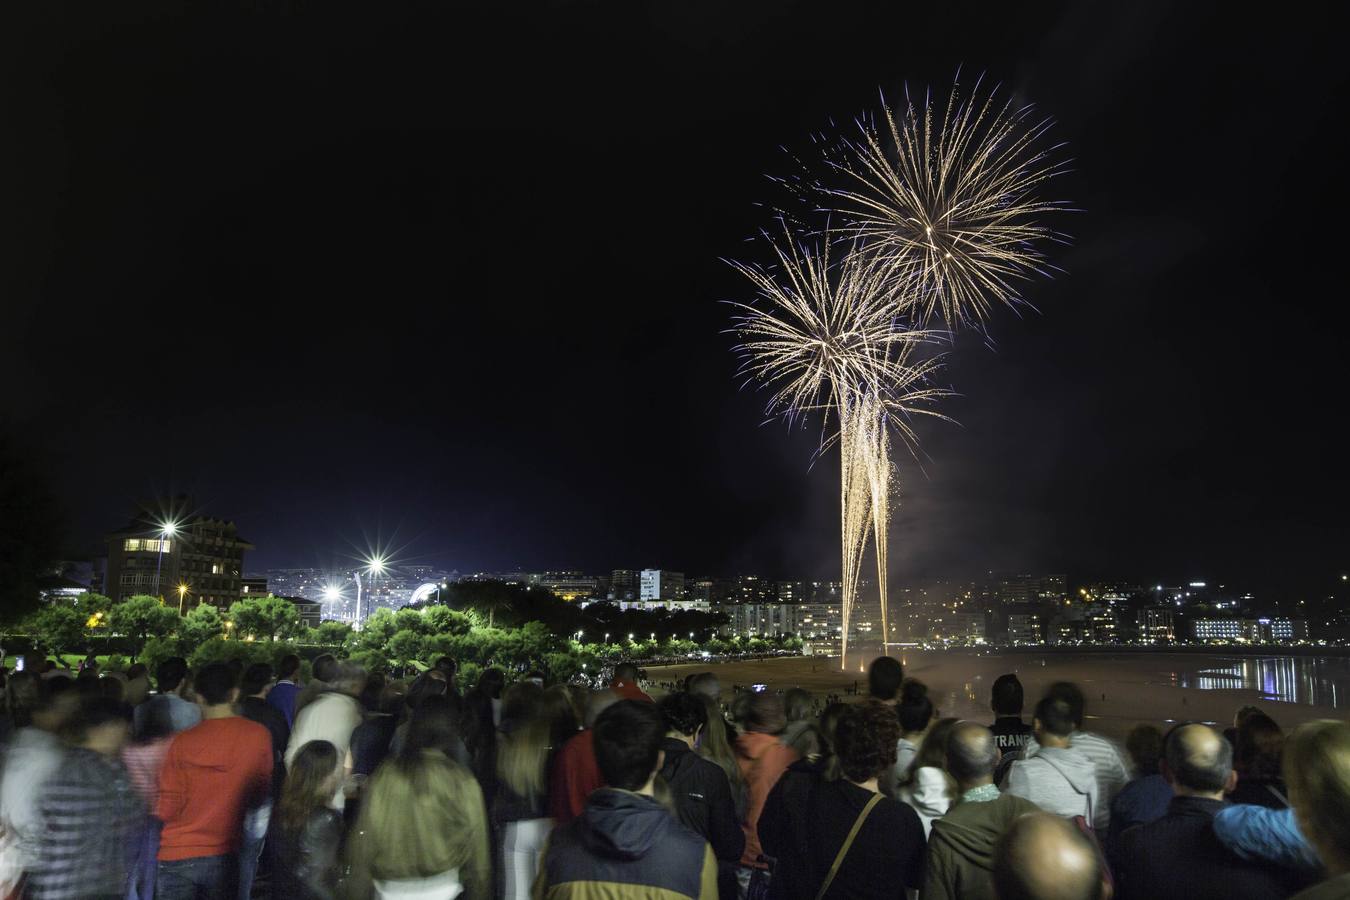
[(1121, 689)]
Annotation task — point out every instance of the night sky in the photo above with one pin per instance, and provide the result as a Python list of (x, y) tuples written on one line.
[(446, 278)]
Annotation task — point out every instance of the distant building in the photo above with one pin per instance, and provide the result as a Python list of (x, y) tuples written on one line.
[(763, 619), (623, 585), (1157, 624), (55, 588), (1284, 630), (714, 591), (820, 626), (1100, 625), (1025, 628), (753, 589), (204, 556), (252, 588), (569, 586), (661, 586), (1025, 589), (1218, 629), (1260, 631), (967, 627), (311, 611)]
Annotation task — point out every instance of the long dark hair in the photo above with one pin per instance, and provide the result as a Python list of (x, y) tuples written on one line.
[(915, 709), (432, 727), (307, 785)]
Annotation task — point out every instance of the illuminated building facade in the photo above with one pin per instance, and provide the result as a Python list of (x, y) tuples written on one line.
[(1025, 628), (1157, 624), (204, 555), (570, 586), (659, 585)]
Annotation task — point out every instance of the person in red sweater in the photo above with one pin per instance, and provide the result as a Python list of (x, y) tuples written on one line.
[(626, 684), (575, 770), (212, 774)]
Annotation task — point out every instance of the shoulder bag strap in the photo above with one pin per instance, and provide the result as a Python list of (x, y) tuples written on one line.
[(848, 842)]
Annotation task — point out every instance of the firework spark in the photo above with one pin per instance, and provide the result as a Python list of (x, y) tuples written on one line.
[(942, 225), (944, 194), (827, 339)]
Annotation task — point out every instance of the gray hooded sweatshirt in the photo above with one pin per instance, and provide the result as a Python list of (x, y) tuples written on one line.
[(1059, 781)]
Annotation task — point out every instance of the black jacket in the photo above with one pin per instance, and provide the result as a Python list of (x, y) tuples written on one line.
[(805, 822), (702, 799), (1179, 857), (305, 863)]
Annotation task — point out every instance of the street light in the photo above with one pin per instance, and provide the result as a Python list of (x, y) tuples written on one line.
[(182, 592), (166, 531), (374, 567)]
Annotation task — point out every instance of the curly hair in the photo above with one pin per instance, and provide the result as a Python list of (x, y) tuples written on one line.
[(865, 740)]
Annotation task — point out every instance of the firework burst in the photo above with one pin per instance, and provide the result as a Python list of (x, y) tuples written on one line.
[(942, 224), (827, 338), (944, 194)]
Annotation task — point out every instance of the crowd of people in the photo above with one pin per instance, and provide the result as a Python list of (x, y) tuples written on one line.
[(229, 782)]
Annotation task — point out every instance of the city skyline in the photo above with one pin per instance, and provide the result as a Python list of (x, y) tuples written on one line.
[(354, 307)]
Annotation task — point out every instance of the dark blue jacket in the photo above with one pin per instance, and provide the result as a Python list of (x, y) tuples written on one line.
[(1179, 857), (626, 845), (1141, 801)]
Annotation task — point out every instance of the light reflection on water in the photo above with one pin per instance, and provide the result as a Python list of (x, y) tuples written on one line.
[(1293, 679)]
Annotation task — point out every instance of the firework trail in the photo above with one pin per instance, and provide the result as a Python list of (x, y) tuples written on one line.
[(944, 194), (827, 337)]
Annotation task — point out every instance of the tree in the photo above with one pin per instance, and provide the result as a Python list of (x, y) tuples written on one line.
[(411, 620), (91, 604), (158, 649), (492, 598), (202, 623), (248, 652), (267, 618), (57, 628), (443, 620), (142, 617), (377, 629), (404, 647), (331, 634)]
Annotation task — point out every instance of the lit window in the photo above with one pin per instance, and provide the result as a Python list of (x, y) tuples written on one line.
[(215, 568), (131, 544)]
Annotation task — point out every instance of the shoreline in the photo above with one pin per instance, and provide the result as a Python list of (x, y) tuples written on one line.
[(1122, 687)]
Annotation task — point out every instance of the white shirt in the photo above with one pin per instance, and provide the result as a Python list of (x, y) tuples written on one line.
[(34, 756)]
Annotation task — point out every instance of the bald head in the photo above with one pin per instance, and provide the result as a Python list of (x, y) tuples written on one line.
[(1044, 857), (1199, 762), (971, 755)]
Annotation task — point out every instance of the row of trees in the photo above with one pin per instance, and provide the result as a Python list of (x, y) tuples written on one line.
[(75, 626), (490, 631)]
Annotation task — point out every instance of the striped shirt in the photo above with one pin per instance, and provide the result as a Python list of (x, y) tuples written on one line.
[(92, 814)]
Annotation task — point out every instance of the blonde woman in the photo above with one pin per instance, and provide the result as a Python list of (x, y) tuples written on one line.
[(1317, 771), (520, 819), (422, 833), (715, 746)]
